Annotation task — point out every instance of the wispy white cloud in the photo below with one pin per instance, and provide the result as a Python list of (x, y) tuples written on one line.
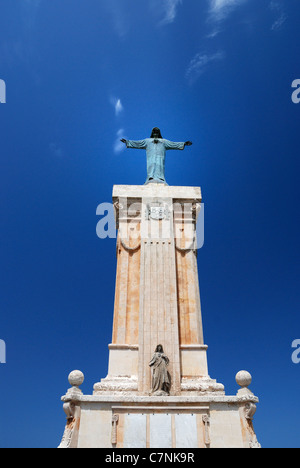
[(120, 17), (277, 25), (165, 10), (199, 64), (117, 105), (118, 145), (170, 10), (278, 8), (220, 9)]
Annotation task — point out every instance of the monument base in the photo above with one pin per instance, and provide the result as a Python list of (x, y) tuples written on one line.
[(211, 420)]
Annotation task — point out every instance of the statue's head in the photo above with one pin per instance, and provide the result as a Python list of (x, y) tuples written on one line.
[(156, 133), (159, 349)]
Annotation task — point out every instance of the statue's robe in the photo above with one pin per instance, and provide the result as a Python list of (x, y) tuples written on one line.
[(161, 380), (156, 155)]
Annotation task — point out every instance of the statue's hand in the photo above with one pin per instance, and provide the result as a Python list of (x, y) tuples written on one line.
[(123, 141), (188, 143)]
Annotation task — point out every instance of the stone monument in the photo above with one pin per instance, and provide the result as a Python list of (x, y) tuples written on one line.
[(157, 392)]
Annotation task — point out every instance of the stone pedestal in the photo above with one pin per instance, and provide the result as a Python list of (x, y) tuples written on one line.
[(157, 301), (119, 420)]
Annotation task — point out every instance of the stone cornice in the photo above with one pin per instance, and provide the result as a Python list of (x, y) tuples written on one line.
[(137, 400)]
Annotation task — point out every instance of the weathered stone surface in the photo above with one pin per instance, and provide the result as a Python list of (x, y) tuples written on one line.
[(157, 301), (157, 297)]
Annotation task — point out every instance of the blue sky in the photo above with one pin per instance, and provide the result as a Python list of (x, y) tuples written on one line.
[(81, 74)]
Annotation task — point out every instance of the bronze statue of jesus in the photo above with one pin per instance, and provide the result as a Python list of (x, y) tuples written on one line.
[(156, 148)]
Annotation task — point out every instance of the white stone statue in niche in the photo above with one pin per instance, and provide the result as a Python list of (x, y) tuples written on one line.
[(161, 379)]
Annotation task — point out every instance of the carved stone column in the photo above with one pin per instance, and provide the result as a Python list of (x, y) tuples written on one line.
[(206, 421), (158, 309), (114, 432), (157, 298)]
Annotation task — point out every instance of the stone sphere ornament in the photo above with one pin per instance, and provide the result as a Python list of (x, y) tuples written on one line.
[(243, 378), (76, 378)]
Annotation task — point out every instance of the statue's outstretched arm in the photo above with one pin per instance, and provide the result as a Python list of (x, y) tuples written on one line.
[(139, 144), (173, 145)]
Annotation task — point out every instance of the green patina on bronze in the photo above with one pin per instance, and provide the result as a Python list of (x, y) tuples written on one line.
[(156, 148)]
